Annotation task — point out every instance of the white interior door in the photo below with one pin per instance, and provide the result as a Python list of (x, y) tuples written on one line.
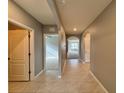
[(18, 47)]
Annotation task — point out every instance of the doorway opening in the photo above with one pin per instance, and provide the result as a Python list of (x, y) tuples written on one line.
[(20, 52), (51, 58), (73, 48), (87, 39)]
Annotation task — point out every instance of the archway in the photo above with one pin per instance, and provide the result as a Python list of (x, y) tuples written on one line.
[(73, 48)]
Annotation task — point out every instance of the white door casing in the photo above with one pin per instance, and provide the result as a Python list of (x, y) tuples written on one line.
[(18, 45)]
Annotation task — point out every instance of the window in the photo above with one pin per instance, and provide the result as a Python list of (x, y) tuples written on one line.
[(74, 46)]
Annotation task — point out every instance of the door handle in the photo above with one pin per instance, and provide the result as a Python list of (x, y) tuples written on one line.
[(9, 58)]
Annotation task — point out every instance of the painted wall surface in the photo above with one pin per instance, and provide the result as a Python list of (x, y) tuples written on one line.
[(62, 49), (103, 47), (18, 14)]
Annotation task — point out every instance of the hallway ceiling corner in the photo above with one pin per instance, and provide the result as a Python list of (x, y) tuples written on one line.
[(79, 14), (39, 9)]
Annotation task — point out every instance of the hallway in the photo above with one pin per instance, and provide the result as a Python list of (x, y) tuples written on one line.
[(76, 79), (90, 25)]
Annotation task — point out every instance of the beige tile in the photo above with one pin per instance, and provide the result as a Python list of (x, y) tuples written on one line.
[(31, 87), (16, 87), (76, 79)]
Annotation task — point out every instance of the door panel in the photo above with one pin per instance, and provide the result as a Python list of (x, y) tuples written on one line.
[(18, 55)]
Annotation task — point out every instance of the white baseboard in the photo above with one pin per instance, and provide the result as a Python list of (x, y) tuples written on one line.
[(99, 82), (39, 74)]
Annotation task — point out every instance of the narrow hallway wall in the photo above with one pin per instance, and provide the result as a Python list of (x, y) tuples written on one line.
[(103, 48), (62, 49)]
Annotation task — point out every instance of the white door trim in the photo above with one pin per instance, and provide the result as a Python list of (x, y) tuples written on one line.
[(32, 57)]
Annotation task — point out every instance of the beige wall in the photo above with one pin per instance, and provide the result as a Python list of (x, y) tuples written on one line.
[(103, 31), (18, 14), (62, 49)]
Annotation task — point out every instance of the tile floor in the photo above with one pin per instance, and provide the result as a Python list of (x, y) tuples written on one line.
[(51, 63), (76, 79)]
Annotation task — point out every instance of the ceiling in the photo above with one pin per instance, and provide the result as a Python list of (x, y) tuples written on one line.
[(79, 14), (39, 9)]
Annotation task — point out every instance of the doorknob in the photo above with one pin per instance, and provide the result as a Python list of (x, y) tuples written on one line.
[(9, 58)]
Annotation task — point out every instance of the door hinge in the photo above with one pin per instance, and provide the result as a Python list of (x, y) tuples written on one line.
[(29, 72), (29, 54), (29, 35)]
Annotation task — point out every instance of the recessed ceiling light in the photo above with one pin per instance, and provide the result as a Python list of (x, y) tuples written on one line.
[(74, 29)]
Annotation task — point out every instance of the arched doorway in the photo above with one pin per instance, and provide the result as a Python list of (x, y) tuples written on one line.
[(73, 48)]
